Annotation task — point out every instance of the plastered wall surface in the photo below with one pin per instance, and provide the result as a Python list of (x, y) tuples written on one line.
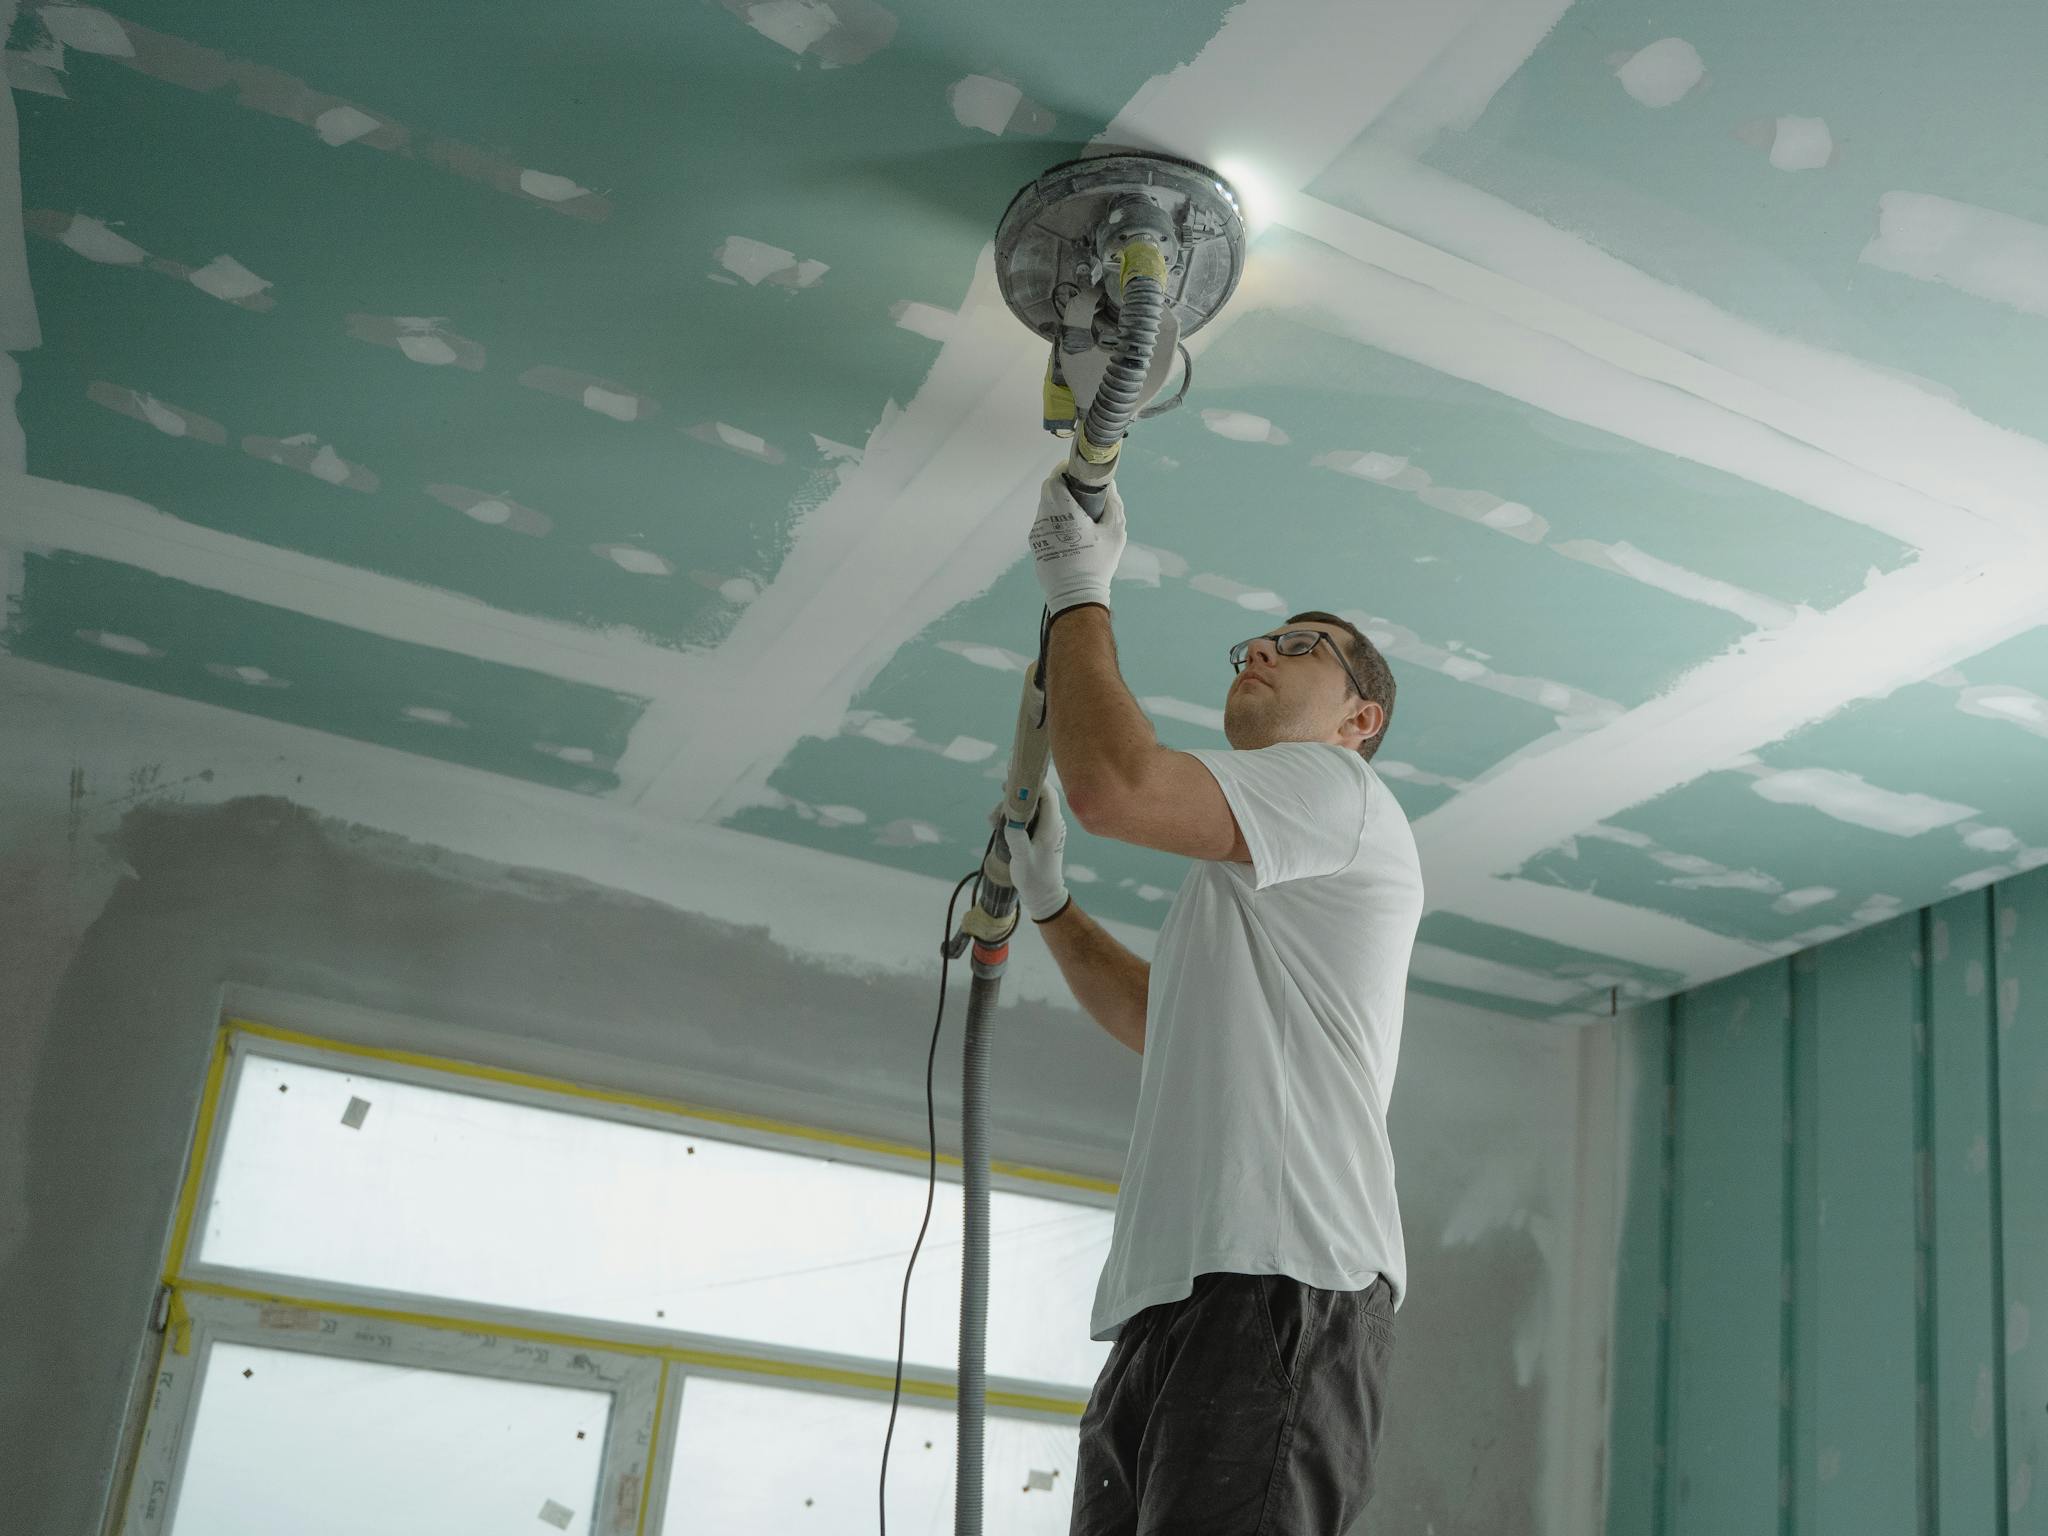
[(153, 885)]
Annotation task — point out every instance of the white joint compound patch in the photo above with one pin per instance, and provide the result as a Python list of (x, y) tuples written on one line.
[(226, 278), (926, 320), (125, 645), (755, 262), (247, 676), (1978, 251), (344, 125), (836, 34), (640, 562), (1806, 896), (550, 188), (1482, 507), (1801, 144), (603, 396), (725, 435), (1848, 797), (1663, 73), (1243, 427), (89, 30), (1149, 566), (1257, 599), (980, 101), (2014, 706), (92, 239), (993, 657), (968, 749)]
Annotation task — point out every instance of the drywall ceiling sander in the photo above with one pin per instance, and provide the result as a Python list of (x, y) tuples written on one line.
[(1112, 260)]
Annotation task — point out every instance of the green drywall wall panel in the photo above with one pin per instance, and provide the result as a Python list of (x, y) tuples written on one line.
[(2020, 950), (1885, 1375), (1728, 1218), (1636, 1363), (1963, 1288), (1803, 1301), (178, 638), (1868, 999)]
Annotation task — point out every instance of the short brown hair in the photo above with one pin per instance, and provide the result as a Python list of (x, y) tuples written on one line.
[(1374, 675)]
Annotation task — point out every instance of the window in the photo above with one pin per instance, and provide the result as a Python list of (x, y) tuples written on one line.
[(412, 1295)]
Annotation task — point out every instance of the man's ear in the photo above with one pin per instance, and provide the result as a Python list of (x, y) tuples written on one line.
[(1368, 718)]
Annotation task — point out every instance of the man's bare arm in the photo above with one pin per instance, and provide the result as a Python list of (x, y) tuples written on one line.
[(1107, 980)]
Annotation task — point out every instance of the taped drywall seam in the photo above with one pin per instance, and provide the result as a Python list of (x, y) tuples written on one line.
[(336, 121), (1896, 428)]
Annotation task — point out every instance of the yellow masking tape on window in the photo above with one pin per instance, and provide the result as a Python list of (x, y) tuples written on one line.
[(752, 1365), (653, 1439), (180, 1324), (202, 1139)]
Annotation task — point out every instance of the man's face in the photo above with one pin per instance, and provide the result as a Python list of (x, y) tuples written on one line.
[(1290, 698)]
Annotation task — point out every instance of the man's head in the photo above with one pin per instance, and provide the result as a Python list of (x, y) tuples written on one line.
[(1339, 690)]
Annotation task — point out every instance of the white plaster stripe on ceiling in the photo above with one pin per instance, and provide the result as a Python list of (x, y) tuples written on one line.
[(1637, 935), (1365, 283), (934, 512), (1453, 968), (1983, 252), (950, 477), (1896, 428), (1897, 630), (39, 514)]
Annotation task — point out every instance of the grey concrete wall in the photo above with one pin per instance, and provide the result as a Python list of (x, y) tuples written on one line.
[(129, 911)]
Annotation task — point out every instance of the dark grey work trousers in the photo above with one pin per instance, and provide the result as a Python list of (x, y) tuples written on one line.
[(1253, 1407)]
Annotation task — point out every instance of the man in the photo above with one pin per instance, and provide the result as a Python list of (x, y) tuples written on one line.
[(1257, 1257)]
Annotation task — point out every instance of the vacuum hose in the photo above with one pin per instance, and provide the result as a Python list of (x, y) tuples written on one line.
[(1096, 446), (974, 1158), (1090, 467)]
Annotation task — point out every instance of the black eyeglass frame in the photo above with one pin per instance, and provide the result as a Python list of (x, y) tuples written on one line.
[(1241, 652)]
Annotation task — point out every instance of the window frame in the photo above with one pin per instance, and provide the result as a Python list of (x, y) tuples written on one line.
[(636, 1385), (200, 1303)]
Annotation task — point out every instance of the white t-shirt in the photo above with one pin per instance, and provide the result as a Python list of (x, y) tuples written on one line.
[(1272, 1027)]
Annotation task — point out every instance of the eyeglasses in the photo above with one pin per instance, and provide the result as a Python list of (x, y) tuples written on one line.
[(1293, 642)]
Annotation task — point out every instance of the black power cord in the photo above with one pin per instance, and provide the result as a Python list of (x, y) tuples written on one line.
[(947, 951)]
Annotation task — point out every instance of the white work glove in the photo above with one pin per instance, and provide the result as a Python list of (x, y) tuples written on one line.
[(1075, 556), (1037, 860)]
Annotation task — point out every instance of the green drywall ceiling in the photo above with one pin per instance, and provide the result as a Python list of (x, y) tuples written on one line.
[(695, 127), (1530, 576), (317, 674), (1943, 100), (1451, 931), (1917, 741)]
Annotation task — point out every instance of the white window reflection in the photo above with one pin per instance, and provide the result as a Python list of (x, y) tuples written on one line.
[(754, 1460), (321, 1446), (346, 1178)]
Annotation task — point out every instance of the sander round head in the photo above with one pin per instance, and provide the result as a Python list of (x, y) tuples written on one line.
[(1055, 235)]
